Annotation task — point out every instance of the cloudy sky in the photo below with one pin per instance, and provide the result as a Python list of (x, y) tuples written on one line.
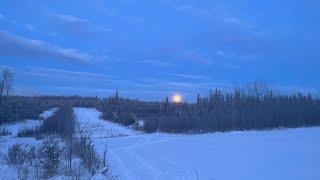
[(154, 48)]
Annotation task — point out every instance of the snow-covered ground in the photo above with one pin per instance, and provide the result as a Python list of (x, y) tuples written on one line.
[(28, 123), (278, 154), (48, 113), (14, 128), (8, 172), (89, 119)]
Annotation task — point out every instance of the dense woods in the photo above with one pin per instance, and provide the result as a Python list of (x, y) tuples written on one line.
[(251, 108)]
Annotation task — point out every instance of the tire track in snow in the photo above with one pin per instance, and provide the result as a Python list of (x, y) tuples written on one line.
[(126, 173)]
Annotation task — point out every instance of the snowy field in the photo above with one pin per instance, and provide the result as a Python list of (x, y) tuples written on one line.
[(279, 154)]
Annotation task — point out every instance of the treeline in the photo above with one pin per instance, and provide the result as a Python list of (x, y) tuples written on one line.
[(127, 111), (251, 108), (15, 108)]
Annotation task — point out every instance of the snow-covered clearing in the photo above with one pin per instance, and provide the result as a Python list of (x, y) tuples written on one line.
[(278, 154)]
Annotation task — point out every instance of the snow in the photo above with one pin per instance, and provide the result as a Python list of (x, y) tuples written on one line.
[(9, 172), (89, 119), (278, 154), (14, 128), (48, 113)]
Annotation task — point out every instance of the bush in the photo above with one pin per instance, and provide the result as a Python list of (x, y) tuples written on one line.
[(16, 155), (49, 154), (49, 159), (126, 119), (88, 155), (29, 132), (62, 122), (4, 132)]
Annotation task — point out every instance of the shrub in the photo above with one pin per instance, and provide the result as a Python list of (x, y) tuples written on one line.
[(4, 132), (29, 132), (88, 155), (62, 122), (16, 155), (49, 154)]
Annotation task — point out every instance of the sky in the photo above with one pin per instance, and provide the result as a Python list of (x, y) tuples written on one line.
[(150, 49)]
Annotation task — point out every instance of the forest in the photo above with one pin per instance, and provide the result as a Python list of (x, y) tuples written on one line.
[(251, 107)]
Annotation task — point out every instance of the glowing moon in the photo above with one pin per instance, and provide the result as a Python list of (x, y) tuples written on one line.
[(176, 98)]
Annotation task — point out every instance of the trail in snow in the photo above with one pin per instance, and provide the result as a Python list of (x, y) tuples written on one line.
[(89, 119), (279, 154)]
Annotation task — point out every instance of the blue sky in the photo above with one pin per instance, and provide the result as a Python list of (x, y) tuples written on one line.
[(150, 49)]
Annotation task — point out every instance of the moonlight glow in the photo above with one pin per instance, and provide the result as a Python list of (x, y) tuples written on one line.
[(176, 98)]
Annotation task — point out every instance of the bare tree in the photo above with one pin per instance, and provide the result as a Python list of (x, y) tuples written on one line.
[(1, 87), (6, 84)]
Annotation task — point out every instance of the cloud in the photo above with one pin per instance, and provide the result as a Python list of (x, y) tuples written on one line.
[(220, 53), (19, 47), (156, 63), (195, 86), (194, 56), (65, 74), (30, 28), (183, 84), (232, 20), (2, 67), (98, 79), (217, 15), (71, 19), (196, 11), (77, 25), (190, 76), (2, 16), (7, 20), (180, 53)]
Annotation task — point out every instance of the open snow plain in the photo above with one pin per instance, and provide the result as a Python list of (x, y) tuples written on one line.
[(286, 154)]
